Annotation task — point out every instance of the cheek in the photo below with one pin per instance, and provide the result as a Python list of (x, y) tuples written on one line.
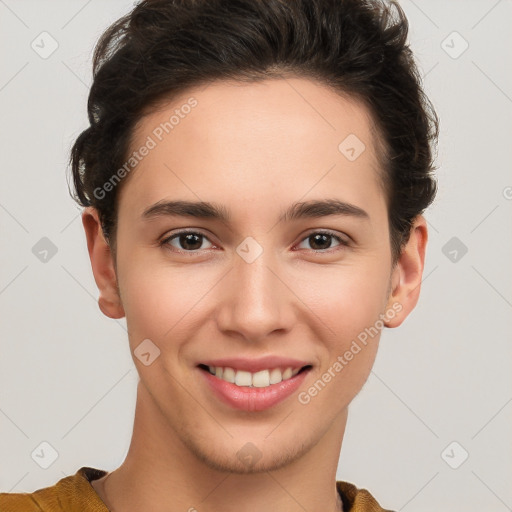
[(160, 299), (348, 301), (350, 314), (346, 298)]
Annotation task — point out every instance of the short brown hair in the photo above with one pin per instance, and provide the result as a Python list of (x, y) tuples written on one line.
[(163, 47)]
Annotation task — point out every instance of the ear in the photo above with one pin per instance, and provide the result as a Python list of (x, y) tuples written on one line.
[(407, 274), (102, 264)]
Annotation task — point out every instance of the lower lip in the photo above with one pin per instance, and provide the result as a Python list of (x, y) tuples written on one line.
[(253, 399)]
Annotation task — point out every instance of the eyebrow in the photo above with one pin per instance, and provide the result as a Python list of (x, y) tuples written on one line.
[(298, 210)]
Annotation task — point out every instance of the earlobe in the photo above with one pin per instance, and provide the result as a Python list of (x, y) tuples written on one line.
[(407, 274), (102, 265)]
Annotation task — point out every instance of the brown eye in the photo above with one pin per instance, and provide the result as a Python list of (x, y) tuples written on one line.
[(321, 241), (186, 241)]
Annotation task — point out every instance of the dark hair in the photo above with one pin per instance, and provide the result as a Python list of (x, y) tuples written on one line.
[(163, 47)]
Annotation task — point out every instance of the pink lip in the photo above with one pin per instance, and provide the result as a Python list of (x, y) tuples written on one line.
[(253, 399), (255, 365)]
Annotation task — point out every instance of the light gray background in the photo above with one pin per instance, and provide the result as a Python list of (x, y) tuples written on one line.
[(66, 374)]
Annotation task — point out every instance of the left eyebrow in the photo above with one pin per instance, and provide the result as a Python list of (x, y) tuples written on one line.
[(312, 209), (298, 210)]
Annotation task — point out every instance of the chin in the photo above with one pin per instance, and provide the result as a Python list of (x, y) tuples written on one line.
[(245, 456)]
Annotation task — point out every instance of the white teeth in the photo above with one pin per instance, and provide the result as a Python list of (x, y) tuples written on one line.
[(260, 379), (243, 378), (229, 375), (276, 376)]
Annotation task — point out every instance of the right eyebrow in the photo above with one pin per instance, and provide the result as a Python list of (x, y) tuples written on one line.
[(199, 209)]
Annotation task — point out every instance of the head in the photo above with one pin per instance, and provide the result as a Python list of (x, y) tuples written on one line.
[(256, 110)]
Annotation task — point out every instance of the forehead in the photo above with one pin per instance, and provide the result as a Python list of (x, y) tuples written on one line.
[(248, 137)]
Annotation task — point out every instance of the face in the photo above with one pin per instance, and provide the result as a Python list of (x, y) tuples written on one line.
[(254, 282)]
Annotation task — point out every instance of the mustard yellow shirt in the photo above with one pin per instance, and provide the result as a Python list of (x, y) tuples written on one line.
[(76, 494)]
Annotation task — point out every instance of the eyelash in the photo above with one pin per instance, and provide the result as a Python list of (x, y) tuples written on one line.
[(164, 243)]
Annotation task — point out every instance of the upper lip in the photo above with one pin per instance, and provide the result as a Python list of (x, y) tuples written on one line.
[(256, 365)]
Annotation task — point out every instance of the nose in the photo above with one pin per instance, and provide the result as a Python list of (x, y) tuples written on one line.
[(256, 299)]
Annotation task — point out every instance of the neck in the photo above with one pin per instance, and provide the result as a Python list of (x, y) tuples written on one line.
[(161, 473)]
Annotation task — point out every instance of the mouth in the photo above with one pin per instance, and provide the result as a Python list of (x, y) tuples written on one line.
[(252, 391), (260, 379)]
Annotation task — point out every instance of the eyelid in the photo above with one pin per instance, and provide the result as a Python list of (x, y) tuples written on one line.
[(337, 234), (183, 231)]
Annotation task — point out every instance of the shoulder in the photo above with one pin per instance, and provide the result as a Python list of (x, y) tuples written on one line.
[(70, 494), (357, 500)]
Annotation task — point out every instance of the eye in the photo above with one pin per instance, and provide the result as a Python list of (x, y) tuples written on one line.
[(192, 241), (186, 241), (320, 241)]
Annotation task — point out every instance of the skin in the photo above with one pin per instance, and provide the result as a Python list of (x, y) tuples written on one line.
[(267, 143)]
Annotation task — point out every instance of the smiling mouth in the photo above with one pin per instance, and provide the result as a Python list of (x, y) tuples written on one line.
[(260, 379)]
